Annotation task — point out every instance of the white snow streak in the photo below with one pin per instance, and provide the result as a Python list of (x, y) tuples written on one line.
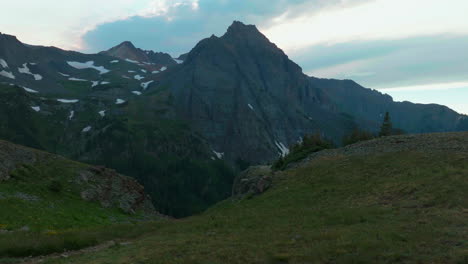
[(87, 65), (72, 114), (283, 149), (138, 77), (102, 113), (68, 101), (36, 108), (119, 101), (7, 74), (86, 129), (26, 70), (29, 90), (77, 80), (146, 84), (136, 92), (3, 63), (219, 155)]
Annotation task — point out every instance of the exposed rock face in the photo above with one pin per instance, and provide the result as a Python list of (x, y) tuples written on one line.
[(253, 181), (111, 189), (126, 50), (247, 98), (12, 156), (99, 184), (369, 106)]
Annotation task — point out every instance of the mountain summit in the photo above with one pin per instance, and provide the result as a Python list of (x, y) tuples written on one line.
[(127, 51)]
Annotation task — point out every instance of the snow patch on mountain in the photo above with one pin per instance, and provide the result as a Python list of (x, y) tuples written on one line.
[(102, 113), (178, 61), (132, 61), (138, 77), (3, 63), (7, 74), (72, 114), (94, 83), (68, 101), (146, 84), (115, 61), (144, 71), (283, 149), (154, 72), (250, 106), (77, 79), (119, 101), (219, 155), (63, 74), (87, 65), (36, 108), (136, 92), (29, 90), (163, 68), (26, 70), (86, 129), (103, 83)]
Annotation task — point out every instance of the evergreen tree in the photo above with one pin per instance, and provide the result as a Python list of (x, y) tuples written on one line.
[(386, 128)]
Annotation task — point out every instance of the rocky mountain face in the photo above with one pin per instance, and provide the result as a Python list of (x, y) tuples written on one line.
[(95, 184), (369, 106), (248, 99), (127, 51), (175, 124)]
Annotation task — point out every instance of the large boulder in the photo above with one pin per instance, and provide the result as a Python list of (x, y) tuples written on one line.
[(253, 181)]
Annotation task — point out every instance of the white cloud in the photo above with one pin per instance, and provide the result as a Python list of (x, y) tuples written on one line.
[(379, 19), (428, 87)]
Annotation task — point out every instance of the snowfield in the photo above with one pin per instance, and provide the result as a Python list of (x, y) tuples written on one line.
[(86, 129), (29, 90), (136, 92), (115, 61), (102, 113), (283, 149), (119, 101), (72, 114), (36, 108), (3, 63), (26, 70), (138, 77), (87, 65), (132, 61), (7, 74), (68, 101), (146, 84), (219, 155), (164, 68), (77, 80)]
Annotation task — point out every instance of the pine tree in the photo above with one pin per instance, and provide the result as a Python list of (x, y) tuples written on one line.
[(386, 128)]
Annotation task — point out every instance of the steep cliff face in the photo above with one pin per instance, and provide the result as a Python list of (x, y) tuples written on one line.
[(247, 98), (369, 106)]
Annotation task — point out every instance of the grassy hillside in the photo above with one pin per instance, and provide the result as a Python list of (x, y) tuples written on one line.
[(407, 204), (49, 204)]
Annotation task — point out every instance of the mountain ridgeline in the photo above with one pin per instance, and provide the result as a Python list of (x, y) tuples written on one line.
[(183, 127)]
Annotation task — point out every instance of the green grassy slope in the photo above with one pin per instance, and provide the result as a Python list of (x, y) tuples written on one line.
[(406, 206)]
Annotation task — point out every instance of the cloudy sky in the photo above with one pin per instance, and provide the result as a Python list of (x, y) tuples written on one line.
[(414, 50)]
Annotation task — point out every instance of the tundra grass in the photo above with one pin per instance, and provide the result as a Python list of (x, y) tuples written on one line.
[(391, 208)]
